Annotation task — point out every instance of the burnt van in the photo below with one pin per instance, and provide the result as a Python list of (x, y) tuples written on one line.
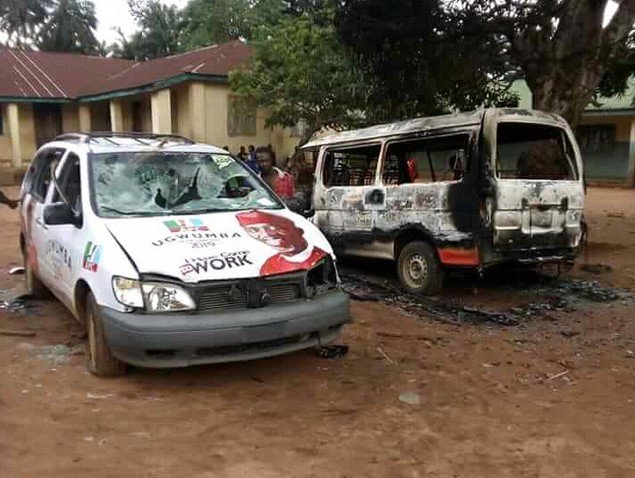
[(468, 190)]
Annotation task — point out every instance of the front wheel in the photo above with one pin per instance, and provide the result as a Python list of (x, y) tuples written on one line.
[(420, 272), (99, 359)]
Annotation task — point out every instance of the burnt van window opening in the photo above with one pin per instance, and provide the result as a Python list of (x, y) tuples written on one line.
[(351, 166), (531, 151), (427, 160)]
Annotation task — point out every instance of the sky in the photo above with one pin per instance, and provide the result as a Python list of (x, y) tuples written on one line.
[(114, 13)]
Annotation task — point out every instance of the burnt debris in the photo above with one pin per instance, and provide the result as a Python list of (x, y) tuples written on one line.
[(548, 295)]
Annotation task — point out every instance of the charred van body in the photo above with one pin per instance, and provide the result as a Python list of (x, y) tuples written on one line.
[(466, 190)]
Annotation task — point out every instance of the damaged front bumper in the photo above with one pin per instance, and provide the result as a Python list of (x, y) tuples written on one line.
[(179, 340)]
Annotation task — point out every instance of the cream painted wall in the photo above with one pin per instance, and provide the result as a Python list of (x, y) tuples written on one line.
[(216, 102), (195, 107), (27, 134)]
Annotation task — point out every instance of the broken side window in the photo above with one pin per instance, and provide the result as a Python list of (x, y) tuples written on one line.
[(68, 182), (351, 166), (441, 158), (38, 177), (534, 151)]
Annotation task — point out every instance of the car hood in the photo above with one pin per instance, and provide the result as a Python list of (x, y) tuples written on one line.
[(220, 246)]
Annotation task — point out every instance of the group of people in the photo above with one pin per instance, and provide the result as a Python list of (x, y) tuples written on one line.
[(262, 160)]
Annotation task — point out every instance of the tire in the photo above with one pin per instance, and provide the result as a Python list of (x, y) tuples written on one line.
[(419, 270), (34, 286), (99, 359)]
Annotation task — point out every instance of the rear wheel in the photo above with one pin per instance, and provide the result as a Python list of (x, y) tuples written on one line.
[(99, 359), (419, 269)]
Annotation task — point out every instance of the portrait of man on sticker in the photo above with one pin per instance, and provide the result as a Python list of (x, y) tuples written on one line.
[(283, 235)]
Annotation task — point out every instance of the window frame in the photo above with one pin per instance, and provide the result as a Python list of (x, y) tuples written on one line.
[(377, 143), (429, 137), (63, 176), (563, 133), (41, 161), (586, 129)]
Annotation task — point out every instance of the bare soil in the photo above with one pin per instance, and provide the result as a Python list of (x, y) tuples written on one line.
[(551, 396)]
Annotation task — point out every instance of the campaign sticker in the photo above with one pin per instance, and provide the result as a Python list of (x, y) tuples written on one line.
[(226, 260), (185, 225), (92, 256)]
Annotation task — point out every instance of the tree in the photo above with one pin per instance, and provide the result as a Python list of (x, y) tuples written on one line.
[(300, 73), (20, 19), (159, 31), (561, 47), (475, 48), (70, 28), (403, 45), (206, 22), (215, 21)]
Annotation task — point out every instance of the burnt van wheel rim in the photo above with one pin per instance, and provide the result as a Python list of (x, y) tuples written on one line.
[(416, 270)]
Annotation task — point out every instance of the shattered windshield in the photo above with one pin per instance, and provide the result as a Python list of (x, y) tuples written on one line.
[(162, 183)]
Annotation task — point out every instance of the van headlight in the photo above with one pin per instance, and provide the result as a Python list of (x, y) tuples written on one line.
[(166, 297), (154, 296), (128, 292)]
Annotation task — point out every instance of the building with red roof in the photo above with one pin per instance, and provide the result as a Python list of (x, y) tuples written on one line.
[(43, 94)]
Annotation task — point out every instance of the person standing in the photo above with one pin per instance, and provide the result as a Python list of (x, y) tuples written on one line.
[(242, 154), (273, 154), (252, 160), (281, 182)]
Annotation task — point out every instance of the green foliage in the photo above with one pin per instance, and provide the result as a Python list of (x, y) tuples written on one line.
[(214, 21), (300, 72), (420, 63), (20, 19), (70, 28), (466, 52), (159, 31)]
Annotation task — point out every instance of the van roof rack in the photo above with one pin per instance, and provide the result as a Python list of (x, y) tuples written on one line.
[(110, 135)]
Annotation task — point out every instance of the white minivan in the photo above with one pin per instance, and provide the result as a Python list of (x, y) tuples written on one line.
[(173, 253)]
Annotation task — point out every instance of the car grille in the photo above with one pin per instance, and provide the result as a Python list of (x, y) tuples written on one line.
[(221, 298), (235, 296)]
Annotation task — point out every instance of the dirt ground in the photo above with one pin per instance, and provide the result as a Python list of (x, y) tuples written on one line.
[(552, 396)]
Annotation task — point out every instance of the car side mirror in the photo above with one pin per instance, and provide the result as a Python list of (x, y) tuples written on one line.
[(59, 214)]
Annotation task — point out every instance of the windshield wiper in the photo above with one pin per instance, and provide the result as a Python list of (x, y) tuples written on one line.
[(132, 213), (202, 211)]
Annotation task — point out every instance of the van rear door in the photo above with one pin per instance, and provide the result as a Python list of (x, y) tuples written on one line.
[(539, 193)]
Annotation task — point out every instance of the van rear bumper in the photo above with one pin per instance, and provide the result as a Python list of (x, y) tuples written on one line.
[(179, 340)]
